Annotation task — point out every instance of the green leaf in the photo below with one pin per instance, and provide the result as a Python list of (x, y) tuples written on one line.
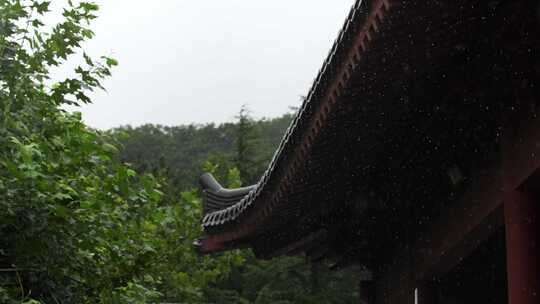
[(110, 62), (42, 7), (131, 173), (61, 211), (37, 23), (87, 59), (109, 148)]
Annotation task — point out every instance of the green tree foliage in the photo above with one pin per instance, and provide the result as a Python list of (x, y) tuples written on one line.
[(77, 225), (245, 159), (285, 280)]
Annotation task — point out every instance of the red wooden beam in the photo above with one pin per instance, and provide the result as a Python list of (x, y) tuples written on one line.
[(521, 159), (522, 247)]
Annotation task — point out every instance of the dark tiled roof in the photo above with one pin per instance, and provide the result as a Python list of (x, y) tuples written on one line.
[(223, 206), (217, 198)]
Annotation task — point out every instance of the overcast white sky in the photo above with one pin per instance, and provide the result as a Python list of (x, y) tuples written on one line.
[(198, 61)]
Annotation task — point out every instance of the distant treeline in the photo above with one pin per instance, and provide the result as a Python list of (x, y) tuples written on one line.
[(180, 152)]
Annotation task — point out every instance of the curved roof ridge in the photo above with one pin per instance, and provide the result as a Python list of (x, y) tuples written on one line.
[(216, 197), (334, 63)]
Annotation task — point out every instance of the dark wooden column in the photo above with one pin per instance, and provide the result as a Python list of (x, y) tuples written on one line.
[(521, 167), (521, 152), (522, 247), (366, 292), (521, 162), (426, 292), (396, 282)]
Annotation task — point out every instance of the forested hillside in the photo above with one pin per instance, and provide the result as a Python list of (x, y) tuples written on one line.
[(180, 152), (109, 217)]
